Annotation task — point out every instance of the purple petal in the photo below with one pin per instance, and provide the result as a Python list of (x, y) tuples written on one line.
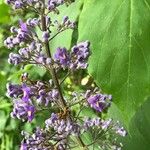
[(23, 26)]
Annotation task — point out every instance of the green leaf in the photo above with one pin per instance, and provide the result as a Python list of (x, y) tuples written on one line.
[(87, 112), (120, 37), (139, 136)]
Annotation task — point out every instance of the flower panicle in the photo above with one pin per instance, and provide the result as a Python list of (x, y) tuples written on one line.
[(31, 38)]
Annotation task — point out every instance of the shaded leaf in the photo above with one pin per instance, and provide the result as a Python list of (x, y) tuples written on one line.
[(139, 137)]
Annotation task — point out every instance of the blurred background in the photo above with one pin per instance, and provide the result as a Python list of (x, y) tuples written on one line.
[(9, 128)]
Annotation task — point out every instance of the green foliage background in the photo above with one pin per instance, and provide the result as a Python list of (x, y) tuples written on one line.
[(120, 63)]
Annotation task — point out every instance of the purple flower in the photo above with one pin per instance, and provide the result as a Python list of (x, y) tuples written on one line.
[(23, 146), (63, 127), (36, 141), (23, 111), (45, 97), (24, 52), (120, 130), (99, 102), (23, 26), (13, 29), (79, 55), (26, 93), (13, 90), (62, 56), (88, 122), (22, 91), (106, 123), (51, 120), (18, 4), (30, 112), (33, 22), (14, 59), (52, 4)]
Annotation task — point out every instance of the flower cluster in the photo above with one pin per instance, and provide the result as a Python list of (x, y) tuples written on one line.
[(26, 40), (51, 5), (76, 59), (38, 140), (25, 95), (32, 97), (61, 129), (104, 125), (99, 101), (65, 24), (22, 34), (61, 126), (30, 46)]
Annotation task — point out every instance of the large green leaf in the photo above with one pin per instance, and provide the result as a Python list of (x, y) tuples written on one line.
[(120, 62)]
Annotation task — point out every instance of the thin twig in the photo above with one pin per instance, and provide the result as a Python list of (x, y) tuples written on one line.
[(64, 78), (77, 102)]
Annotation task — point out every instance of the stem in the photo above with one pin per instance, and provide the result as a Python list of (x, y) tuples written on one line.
[(79, 112), (53, 71), (77, 102), (54, 75), (56, 34), (64, 78)]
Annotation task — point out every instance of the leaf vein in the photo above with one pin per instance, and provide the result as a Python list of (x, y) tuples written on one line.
[(147, 4), (130, 46), (106, 30)]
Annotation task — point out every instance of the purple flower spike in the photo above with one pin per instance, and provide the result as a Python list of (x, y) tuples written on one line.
[(62, 127), (36, 141)]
